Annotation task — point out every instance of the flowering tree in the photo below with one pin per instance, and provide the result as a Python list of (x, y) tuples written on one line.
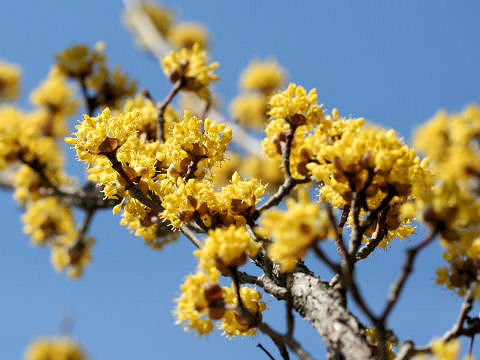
[(172, 172)]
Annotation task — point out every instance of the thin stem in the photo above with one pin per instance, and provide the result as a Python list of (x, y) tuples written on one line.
[(265, 328), (163, 106), (90, 101), (322, 256), (407, 269), (191, 236), (289, 182), (265, 351), (342, 250)]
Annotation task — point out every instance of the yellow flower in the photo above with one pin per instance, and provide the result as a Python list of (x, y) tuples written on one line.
[(186, 34), (48, 219), (145, 223), (196, 146), (264, 76), (226, 247), (55, 95), (295, 106), (233, 324), (72, 257), (79, 61), (59, 348), (112, 86), (161, 17), (190, 67), (450, 141), (293, 231), (192, 309), (372, 338), (442, 350), (9, 81), (250, 110)]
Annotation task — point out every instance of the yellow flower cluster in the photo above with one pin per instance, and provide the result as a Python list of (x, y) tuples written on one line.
[(442, 350), (292, 110), (60, 348), (203, 300), (196, 143), (49, 222), (250, 110), (90, 69), (450, 204), (260, 79), (373, 340), (198, 201), (295, 106), (189, 66), (161, 18), (9, 81), (73, 257), (451, 143), (47, 219), (79, 61), (294, 230), (263, 76), (147, 224), (348, 157), (224, 248), (56, 96), (186, 34), (112, 87), (233, 323)]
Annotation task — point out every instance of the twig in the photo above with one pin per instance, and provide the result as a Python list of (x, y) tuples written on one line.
[(289, 182), (376, 238), (208, 103), (396, 290), (407, 269), (75, 197), (90, 101), (276, 337), (163, 106), (322, 256), (265, 351), (191, 236), (290, 317), (342, 250), (457, 327)]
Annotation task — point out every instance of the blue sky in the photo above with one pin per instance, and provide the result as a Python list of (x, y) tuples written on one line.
[(394, 62)]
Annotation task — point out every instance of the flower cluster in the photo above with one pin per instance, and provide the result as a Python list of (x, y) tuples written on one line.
[(442, 350), (60, 348), (187, 34), (55, 96), (263, 76), (373, 340), (198, 201), (260, 79), (189, 66), (450, 203), (204, 300), (293, 113), (295, 230), (296, 106), (9, 81), (225, 248), (89, 68)]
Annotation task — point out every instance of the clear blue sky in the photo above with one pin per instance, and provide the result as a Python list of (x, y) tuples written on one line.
[(393, 62)]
